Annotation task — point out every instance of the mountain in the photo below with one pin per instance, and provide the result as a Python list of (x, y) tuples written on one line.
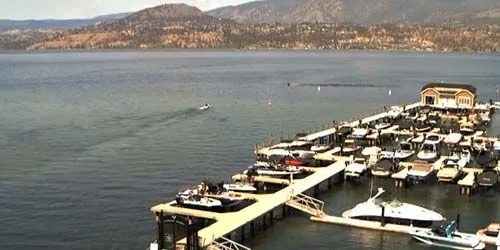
[(6, 24), (364, 11)]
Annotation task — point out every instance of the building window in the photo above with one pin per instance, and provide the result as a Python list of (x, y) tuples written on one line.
[(464, 101), (430, 100)]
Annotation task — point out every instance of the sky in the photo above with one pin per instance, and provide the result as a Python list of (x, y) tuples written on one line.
[(70, 9)]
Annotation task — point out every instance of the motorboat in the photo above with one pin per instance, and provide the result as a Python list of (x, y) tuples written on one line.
[(272, 170), (344, 131), (488, 178), (496, 146), (417, 139), (450, 172), (412, 115), (461, 157), (447, 236), (404, 151), (480, 144), (348, 148), (293, 161), (382, 125), (301, 145), (452, 139), (405, 124), (420, 171), (492, 230), (384, 154), (395, 112), (433, 139), (239, 187), (192, 199), (423, 127), (371, 151), (205, 107), (428, 152), (434, 118), (319, 148), (395, 212), (448, 126), (383, 168), (467, 128), (355, 168), (360, 133), (485, 157)]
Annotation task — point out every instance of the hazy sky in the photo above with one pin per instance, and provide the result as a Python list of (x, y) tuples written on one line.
[(62, 9)]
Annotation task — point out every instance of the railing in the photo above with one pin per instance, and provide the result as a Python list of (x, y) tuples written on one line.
[(227, 244), (307, 204)]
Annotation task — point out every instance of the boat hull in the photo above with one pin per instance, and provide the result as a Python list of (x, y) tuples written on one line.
[(397, 221)]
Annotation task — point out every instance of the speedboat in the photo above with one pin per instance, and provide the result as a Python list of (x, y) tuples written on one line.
[(420, 171), (383, 168), (318, 148), (404, 151), (412, 115), (467, 128), (355, 168), (359, 133), (450, 172), (417, 139), (452, 139), (272, 170), (492, 230), (480, 144), (348, 148), (395, 212), (488, 178), (428, 152), (205, 107), (395, 112), (447, 236), (382, 125), (192, 199), (485, 157), (496, 146), (423, 127), (433, 139), (371, 151)]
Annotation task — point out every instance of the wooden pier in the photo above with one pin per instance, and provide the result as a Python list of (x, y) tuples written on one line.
[(225, 223)]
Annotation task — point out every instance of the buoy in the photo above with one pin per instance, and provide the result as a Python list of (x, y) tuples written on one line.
[(390, 92), (269, 103), (319, 88)]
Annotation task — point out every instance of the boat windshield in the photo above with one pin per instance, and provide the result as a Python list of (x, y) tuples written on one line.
[(405, 146), (359, 161), (428, 147), (433, 137)]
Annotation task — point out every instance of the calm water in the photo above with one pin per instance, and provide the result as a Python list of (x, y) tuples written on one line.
[(90, 141)]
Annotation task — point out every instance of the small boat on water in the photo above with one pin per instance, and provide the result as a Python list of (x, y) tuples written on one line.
[(423, 127), (433, 139), (319, 148), (239, 187), (272, 170), (205, 107), (192, 199), (492, 230), (383, 168), (428, 152), (360, 133), (488, 178), (452, 139), (447, 236), (355, 168), (395, 212), (420, 171), (450, 172), (404, 151), (395, 112), (467, 128)]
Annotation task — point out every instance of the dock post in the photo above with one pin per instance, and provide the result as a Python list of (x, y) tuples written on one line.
[(330, 183), (382, 219), (271, 215), (264, 221), (174, 241), (252, 228), (242, 234), (161, 235)]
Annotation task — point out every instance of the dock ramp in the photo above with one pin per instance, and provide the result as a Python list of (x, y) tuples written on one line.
[(224, 243), (307, 204)]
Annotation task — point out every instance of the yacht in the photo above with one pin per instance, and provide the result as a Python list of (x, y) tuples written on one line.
[(355, 168), (404, 151), (428, 152), (395, 212), (447, 236)]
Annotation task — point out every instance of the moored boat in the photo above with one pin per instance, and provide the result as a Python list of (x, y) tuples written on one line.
[(447, 236)]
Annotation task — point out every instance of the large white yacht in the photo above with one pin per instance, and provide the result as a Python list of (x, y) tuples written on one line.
[(395, 212)]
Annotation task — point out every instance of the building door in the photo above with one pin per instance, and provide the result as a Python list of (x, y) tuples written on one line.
[(430, 100)]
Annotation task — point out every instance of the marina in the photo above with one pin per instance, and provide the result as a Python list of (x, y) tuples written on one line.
[(297, 168)]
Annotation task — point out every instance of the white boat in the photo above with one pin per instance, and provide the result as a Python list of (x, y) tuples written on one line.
[(452, 138), (371, 151), (386, 155), (420, 171), (404, 151), (496, 146), (450, 172), (205, 107), (239, 187), (395, 112), (320, 148), (412, 116), (395, 212), (416, 139), (467, 128), (271, 170), (433, 139), (360, 133), (428, 152), (447, 236), (192, 199), (349, 147), (382, 125), (480, 144), (461, 157), (355, 168)]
